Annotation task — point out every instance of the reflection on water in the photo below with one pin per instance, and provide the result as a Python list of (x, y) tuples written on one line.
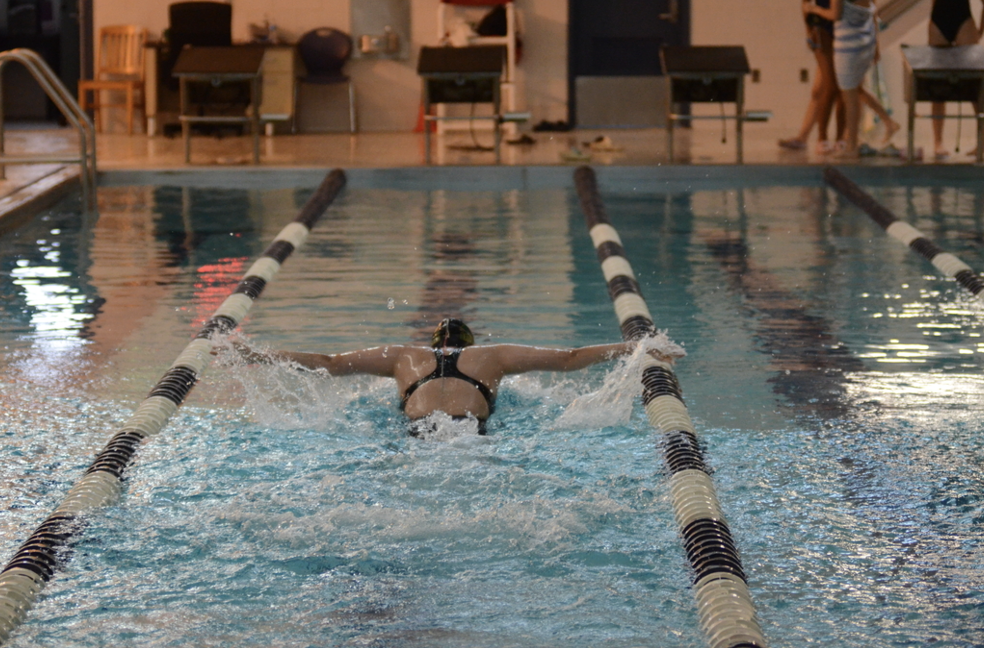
[(855, 484), (54, 306), (833, 377)]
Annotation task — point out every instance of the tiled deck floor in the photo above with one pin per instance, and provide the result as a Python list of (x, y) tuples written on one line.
[(700, 145)]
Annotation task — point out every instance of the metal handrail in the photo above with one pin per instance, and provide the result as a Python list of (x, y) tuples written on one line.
[(69, 107)]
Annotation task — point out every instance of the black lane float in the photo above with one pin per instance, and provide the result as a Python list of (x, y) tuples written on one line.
[(37, 559), (945, 262), (724, 602)]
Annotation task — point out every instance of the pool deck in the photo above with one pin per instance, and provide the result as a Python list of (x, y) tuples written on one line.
[(701, 145), (28, 188)]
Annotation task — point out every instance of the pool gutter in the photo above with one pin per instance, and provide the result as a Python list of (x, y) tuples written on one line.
[(19, 206), (652, 178), (25, 202)]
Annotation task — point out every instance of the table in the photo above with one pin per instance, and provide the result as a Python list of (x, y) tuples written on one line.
[(944, 74), (462, 75), (219, 65), (704, 74)]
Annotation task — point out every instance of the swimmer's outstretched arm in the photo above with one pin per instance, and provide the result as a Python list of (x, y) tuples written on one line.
[(311, 361), (378, 361), (515, 358)]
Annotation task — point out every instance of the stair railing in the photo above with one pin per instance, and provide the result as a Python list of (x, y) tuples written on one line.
[(69, 107)]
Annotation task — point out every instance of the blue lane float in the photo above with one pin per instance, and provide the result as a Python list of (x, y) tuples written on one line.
[(35, 562), (724, 602), (945, 262)]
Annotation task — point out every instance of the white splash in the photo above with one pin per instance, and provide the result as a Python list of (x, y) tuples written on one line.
[(611, 404), (282, 396), (441, 427)]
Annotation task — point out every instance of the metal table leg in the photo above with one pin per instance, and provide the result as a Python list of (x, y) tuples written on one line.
[(669, 133), (255, 123), (497, 102), (739, 111), (910, 141), (427, 124), (185, 125)]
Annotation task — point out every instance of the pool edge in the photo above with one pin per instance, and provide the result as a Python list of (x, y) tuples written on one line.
[(653, 178), (21, 205), (24, 203)]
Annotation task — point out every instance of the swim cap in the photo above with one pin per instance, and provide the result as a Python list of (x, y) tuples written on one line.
[(452, 332)]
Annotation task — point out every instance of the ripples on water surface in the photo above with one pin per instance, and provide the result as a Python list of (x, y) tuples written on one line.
[(835, 379)]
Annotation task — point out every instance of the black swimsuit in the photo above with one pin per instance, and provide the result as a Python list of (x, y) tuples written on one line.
[(447, 367), (814, 20), (949, 16)]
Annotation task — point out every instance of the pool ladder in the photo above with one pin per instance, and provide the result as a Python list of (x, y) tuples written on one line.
[(59, 94)]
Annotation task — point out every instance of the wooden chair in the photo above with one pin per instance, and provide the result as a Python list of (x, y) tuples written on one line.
[(121, 69)]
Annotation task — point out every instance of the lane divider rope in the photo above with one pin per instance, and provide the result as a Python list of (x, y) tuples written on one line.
[(724, 602), (34, 564), (945, 262)]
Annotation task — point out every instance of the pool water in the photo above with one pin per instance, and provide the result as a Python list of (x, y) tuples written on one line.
[(833, 375)]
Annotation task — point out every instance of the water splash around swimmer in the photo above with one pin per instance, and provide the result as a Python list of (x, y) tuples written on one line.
[(282, 397), (611, 404)]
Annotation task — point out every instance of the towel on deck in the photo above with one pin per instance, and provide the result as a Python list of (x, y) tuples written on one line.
[(854, 45)]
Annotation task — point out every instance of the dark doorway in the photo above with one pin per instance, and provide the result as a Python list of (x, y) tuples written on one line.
[(50, 28), (614, 68)]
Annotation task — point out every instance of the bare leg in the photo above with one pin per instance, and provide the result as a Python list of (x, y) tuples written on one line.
[(966, 35), (818, 94), (891, 126), (939, 112), (829, 94), (841, 118), (809, 119), (852, 114)]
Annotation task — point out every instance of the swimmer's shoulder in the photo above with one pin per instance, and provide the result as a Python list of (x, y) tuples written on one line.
[(410, 352), (383, 355), (507, 348), (498, 353)]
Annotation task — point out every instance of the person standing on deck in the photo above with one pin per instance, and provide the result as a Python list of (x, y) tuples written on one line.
[(950, 25), (855, 49), (824, 96)]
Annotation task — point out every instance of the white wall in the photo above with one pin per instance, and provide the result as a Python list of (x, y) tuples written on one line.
[(773, 35), (389, 91)]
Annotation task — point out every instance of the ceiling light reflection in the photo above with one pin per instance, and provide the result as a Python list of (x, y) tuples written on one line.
[(925, 393), (896, 352), (54, 306)]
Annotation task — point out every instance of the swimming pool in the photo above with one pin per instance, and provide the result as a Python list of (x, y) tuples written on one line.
[(833, 376)]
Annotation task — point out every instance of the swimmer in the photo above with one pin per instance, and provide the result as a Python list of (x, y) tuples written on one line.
[(453, 375)]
